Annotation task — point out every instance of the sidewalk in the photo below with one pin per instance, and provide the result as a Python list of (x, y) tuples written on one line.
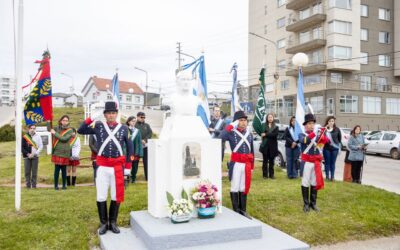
[(387, 243)]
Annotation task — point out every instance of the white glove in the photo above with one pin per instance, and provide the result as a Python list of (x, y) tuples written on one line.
[(127, 172), (96, 116), (317, 127), (235, 124)]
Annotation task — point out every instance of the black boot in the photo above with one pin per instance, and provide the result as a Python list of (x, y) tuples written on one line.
[(114, 206), (73, 180), (68, 180), (242, 205), (304, 192), (102, 209), (235, 201), (313, 199)]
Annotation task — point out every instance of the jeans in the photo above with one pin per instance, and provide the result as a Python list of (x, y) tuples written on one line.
[(330, 161), (292, 156), (63, 175)]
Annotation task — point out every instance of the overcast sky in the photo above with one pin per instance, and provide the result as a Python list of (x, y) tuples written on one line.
[(94, 37)]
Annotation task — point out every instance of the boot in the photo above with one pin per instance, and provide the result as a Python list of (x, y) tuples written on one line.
[(242, 205), (313, 199), (235, 201), (102, 209), (73, 180), (114, 206), (304, 192), (68, 180)]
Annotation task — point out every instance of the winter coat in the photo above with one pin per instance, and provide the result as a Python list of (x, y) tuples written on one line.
[(62, 149), (269, 143), (356, 153)]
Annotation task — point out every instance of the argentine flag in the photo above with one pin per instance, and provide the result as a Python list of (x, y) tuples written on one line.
[(300, 107), (115, 89), (200, 90)]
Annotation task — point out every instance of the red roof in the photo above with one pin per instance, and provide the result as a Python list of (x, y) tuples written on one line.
[(101, 84)]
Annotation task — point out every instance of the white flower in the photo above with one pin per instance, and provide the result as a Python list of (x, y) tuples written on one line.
[(180, 212)]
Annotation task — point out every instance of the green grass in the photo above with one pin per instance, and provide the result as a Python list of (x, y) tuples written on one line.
[(68, 219)]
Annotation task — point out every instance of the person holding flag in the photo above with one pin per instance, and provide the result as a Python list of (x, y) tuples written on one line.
[(32, 145), (112, 138)]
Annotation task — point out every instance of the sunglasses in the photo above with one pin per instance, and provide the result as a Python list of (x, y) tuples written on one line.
[(143, 117)]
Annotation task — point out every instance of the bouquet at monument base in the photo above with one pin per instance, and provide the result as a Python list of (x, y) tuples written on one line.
[(205, 198), (180, 210)]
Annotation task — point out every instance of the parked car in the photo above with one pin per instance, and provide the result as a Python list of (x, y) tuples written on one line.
[(345, 136), (368, 134), (280, 159), (384, 142)]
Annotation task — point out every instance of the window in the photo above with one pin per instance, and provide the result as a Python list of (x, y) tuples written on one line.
[(340, 27), (315, 57), (265, 29), (128, 107), (284, 84), (128, 98), (365, 82), (343, 4), (375, 137), (281, 22), (384, 60), (303, 14), (281, 43), (371, 105), (289, 107), (120, 97), (317, 33), (317, 8), (109, 97), (364, 35), (336, 77), (364, 10), (349, 104), (384, 37), (393, 106), (384, 14), (94, 96), (388, 137), (304, 37), (364, 58), (317, 102), (339, 52), (281, 2), (330, 106), (381, 84), (269, 87), (312, 79), (137, 99), (282, 64)]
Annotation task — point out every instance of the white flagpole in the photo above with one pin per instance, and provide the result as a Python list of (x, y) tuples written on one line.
[(18, 117)]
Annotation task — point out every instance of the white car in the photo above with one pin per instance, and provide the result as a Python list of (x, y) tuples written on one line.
[(280, 159), (384, 142), (345, 136)]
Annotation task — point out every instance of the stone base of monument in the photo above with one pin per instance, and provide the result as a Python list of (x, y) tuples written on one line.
[(228, 230)]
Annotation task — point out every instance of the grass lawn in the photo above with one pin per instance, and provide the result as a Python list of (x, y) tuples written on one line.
[(68, 219)]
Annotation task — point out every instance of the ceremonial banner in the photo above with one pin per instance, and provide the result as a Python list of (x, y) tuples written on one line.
[(259, 114)]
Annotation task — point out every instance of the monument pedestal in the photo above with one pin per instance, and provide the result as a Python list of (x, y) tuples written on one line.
[(228, 230)]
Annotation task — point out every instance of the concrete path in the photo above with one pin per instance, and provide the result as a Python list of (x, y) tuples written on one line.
[(387, 243)]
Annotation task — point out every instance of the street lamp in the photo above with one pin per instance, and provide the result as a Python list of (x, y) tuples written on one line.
[(147, 79), (72, 88), (276, 74)]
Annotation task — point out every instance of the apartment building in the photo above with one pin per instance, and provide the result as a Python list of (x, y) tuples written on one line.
[(7, 91), (354, 58)]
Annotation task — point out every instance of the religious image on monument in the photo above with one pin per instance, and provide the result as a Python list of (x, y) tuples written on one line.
[(191, 160)]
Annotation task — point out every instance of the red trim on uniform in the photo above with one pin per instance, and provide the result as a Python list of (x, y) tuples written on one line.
[(248, 159), (311, 135), (316, 159), (128, 165), (118, 165), (88, 121), (229, 128), (111, 124)]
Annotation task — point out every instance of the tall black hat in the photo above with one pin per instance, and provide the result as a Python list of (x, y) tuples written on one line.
[(239, 115), (309, 118), (110, 106)]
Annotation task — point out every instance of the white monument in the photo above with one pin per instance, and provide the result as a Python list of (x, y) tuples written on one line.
[(184, 154)]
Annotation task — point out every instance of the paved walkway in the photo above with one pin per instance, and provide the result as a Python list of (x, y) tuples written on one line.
[(387, 243)]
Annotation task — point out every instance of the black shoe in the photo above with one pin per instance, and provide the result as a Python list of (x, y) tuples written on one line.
[(242, 205), (73, 180), (68, 180), (114, 206), (313, 199), (304, 192), (64, 188), (102, 210), (272, 177), (235, 201), (56, 188)]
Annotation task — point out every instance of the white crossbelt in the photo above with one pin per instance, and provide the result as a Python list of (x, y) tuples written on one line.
[(243, 140), (135, 134), (111, 136), (218, 125)]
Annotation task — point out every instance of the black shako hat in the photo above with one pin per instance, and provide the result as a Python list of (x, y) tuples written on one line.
[(309, 118), (239, 115), (110, 106)]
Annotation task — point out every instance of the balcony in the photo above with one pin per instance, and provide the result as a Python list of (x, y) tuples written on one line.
[(296, 25), (307, 46), (308, 70), (362, 86), (298, 4), (306, 41)]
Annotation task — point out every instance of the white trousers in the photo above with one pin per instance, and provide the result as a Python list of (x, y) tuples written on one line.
[(308, 175), (238, 177), (105, 178)]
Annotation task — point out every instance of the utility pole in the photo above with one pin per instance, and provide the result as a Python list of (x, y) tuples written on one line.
[(178, 47)]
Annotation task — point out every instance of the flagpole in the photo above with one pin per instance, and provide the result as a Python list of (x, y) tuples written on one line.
[(18, 117)]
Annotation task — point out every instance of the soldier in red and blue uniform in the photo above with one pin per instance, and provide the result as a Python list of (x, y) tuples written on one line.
[(112, 137), (241, 163), (311, 142)]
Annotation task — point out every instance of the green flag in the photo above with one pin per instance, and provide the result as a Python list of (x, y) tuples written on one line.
[(259, 114)]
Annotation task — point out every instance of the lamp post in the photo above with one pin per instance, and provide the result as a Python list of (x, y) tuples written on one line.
[(72, 88), (300, 60), (276, 74), (159, 91), (147, 79)]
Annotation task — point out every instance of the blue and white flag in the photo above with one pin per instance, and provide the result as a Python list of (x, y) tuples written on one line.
[(115, 89), (300, 107), (200, 90), (235, 98)]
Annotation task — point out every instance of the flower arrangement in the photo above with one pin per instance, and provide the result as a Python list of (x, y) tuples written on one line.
[(180, 210), (205, 195)]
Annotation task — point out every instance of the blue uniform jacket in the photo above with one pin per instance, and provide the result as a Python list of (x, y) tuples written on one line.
[(305, 140)]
